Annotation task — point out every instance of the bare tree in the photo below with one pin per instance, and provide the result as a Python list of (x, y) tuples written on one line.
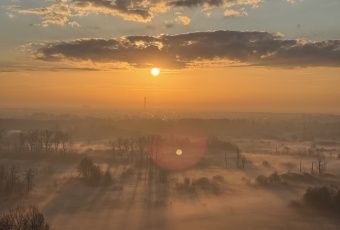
[(2, 176), (47, 137), (243, 161), (141, 145), (133, 145), (127, 147), (33, 139), (13, 177), (29, 175), (113, 144), (155, 146), (21, 218), (2, 136), (321, 163), (225, 159), (22, 142), (238, 157), (56, 139), (65, 141), (120, 144)]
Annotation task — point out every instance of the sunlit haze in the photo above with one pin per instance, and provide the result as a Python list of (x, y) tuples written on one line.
[(219, 55), (170, 114)]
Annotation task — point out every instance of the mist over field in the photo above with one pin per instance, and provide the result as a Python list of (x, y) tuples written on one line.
[(149, 170), (170, 114)]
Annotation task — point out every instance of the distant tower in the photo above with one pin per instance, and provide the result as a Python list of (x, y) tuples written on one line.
[(144, 103)]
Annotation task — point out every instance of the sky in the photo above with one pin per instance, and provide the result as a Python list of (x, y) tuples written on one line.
[(232, 55)]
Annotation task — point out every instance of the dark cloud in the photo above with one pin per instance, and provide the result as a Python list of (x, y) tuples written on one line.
[(179, 51), (212, 3), (138, 10), (194, 3)]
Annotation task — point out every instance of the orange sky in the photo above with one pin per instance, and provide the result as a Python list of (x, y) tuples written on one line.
[(213, 54), (232, 89)]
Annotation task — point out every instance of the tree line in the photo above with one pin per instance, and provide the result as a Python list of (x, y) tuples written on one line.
[(135, 149), (25, 218), (14, 182), (35, 141)]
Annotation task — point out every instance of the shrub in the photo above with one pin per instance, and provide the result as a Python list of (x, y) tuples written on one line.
[(272, 179), (266, 164), (22, 218), (318, 197), (325, 198)]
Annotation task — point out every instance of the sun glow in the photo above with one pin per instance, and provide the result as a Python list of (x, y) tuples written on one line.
[(155, 71)]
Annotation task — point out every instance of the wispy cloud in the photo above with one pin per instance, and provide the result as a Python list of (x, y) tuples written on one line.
[(60, 11), (235, 13), (191, 49), (294, 1), (57, 13)]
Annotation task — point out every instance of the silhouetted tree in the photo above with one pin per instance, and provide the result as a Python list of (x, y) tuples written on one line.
[(141, 145), (120, 144), (321, 163), (22, 142), (95, 175), (34, 141), (107, 178), (47, 140), (56, 139), (133, 146), (2, 137), (274, 178), (65, 141), (25, 219), (225, 159), (113, 147), (29, 175), (13, 177), (318, 197), (288, 165), (238, 157), (85, 166), (127, 146), (2, 177), (243, 161)]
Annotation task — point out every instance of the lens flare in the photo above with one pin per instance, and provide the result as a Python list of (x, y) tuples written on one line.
[(168, 150)]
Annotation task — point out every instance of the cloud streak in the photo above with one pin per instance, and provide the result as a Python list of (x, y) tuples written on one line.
[(55, 14), (234, 13), (184, 50)]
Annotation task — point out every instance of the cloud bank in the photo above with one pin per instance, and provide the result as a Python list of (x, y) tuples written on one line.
[(60, 11), (190, 49)]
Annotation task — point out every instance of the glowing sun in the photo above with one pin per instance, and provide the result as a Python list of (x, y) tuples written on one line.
[(179, 152), (155, 71)]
